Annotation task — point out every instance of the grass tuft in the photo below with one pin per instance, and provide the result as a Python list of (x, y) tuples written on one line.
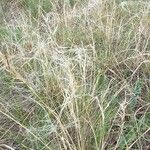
[(74, 75)]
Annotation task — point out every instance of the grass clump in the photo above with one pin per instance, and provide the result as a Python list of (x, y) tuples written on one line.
[(74, 75)]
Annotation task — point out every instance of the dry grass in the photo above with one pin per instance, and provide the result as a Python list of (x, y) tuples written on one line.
[(74, 75)]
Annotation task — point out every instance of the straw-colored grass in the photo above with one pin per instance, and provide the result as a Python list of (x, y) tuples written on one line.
[(74, 75)]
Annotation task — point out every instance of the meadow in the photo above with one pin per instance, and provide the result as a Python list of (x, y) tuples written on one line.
[(74, 75)]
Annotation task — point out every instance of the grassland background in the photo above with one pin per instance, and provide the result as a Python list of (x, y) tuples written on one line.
[(74, 75)]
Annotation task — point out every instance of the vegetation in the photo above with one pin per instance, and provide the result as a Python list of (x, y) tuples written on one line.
[(74, 75)]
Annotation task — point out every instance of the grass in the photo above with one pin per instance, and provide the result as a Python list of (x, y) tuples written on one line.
[(74, 75)]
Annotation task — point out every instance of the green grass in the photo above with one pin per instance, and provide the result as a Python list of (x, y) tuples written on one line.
[(75, 75)]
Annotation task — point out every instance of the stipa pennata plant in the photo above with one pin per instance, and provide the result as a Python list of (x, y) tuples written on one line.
[(74, 75)]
